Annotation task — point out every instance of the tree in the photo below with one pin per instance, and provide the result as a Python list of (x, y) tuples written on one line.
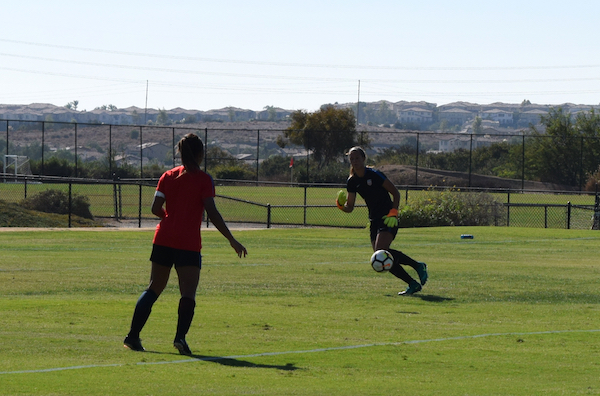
[(135, 117), (328, 133), (109, 107), (72, 105), (384, 114), (477, 127), (272, 113), (554, 155), (162, 118)]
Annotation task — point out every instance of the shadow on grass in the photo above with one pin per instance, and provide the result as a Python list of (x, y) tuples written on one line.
[(424, 297), (225, 361), (432, 298), (242, 363)]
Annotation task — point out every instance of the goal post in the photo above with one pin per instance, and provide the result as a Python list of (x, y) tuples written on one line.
[(16, 165)]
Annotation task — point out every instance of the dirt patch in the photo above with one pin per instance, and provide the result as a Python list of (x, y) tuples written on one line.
[(405, 175)]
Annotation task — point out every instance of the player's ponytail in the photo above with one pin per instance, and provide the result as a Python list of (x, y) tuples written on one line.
[(191, 149)]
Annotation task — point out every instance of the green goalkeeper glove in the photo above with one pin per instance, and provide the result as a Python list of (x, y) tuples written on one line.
[(341, 199), (391, 219)]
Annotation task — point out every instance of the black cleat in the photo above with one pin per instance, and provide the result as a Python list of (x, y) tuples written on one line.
[(135, 344), (182, 346)]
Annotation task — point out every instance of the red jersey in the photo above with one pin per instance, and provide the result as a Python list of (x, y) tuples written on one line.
[(184, 193)]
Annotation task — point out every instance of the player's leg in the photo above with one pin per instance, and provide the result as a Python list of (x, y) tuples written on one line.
[(189, 277), (383, 240), (159, 277), (418, 266)]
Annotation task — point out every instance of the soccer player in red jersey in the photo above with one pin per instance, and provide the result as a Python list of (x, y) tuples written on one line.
[(182, 195)]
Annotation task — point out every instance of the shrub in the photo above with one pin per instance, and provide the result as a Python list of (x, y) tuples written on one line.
[(233, 172), (593, 181), (450, 208), (332, 173), (54, 201)]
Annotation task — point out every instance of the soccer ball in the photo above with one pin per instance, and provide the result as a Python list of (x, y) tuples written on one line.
[(382, 261)]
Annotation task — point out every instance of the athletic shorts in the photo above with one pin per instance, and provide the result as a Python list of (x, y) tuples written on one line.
[(180, 258), (377, 225)]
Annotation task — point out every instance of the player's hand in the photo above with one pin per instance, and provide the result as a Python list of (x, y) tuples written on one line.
[(340, 201), (239, 248), (391, 219)]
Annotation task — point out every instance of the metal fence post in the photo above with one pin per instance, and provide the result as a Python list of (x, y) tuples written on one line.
[(417, 163), (257, 154), (43, 140), (140, 206), (596, 224), (569, 215), (70, 204), (470, 159), (76, 156), (508, 209), (305, 188), (115, 201), (268, 215), (523, 165)]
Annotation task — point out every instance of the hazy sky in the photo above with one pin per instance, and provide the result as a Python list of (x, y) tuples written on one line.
[(298, 54)]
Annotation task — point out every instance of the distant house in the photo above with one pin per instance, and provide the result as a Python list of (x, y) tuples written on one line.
[(502, 116), (532, 116), (452, 143), (415, 114), (456, 116), (128, 159), (152, 150)]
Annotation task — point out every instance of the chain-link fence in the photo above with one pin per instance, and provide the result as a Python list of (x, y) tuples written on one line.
[(99, 151), (270, 204)]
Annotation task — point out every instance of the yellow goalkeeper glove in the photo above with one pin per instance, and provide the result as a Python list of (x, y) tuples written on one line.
[(391, 219)]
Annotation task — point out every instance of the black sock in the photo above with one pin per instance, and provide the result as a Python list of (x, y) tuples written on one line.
[(401, 258), (185, 316), (142, 312), (399, 272)]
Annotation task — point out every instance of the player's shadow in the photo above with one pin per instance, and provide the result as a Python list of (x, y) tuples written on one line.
[(225, 361), (425, 297), (432, 298), (242, 363)]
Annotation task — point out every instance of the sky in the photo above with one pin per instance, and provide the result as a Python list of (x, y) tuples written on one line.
[(205, 55)]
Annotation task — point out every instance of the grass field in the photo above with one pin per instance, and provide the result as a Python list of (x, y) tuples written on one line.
[(512, 312)]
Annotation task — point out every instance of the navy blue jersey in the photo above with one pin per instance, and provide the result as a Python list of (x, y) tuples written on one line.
[(370, 187)]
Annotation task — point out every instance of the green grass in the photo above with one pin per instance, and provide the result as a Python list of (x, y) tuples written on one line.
[(512, 312)]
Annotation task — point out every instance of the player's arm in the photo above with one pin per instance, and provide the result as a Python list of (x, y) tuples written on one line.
[(389, 186), (217, 220), (391, 219), (350, 201), (157, 205)]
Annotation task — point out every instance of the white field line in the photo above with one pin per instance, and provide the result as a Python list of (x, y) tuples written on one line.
[(216, 358)]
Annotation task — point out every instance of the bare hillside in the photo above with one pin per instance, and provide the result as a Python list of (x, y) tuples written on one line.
[(405, 175)]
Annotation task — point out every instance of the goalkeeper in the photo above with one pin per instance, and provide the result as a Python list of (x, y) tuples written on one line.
[(373, 186)]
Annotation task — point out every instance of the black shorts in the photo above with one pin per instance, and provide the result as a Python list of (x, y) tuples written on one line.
[(377, 225), (180, 258)]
